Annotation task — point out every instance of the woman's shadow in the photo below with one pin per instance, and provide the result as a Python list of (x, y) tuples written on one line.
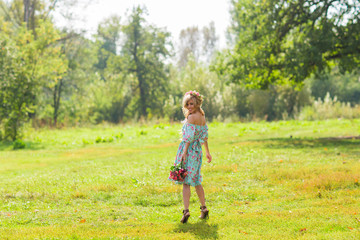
[(201, 230)]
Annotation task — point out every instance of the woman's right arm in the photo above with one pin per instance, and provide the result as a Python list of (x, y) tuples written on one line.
[(208, 156)]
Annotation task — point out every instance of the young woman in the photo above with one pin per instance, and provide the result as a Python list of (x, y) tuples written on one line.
[(194, 134)]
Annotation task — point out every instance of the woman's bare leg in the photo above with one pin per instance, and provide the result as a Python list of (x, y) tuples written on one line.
[(186, 196), (201, 194)]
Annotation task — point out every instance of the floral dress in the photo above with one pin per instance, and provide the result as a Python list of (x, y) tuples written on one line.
[(196, 135)]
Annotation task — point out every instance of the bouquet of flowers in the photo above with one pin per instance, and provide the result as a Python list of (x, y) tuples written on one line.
[(178, 173)]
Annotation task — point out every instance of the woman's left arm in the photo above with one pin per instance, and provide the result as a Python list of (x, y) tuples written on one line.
[(184, 154)]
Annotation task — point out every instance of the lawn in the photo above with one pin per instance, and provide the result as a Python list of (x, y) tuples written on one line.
[(268, 180)]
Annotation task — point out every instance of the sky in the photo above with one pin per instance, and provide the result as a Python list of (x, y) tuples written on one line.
[(174, 15)]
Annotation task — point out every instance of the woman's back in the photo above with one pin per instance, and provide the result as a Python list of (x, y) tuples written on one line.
[(197, 119)]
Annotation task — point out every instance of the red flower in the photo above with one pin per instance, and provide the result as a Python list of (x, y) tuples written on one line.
[(177, 173)]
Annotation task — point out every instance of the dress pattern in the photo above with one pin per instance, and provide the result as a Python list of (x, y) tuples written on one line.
[(196, 135)]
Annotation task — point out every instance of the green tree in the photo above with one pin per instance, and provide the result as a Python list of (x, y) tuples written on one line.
[(26, 63), (60, 99), (346, 87), (110, 93), (278, 41), (108, 36), (17, 93), (144, 51), (30, 12)]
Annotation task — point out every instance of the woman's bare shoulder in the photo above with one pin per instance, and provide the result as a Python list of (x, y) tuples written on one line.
[(191, 119), (196, 119)]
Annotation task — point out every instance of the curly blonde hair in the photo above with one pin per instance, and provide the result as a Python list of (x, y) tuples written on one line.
[(198, 100)]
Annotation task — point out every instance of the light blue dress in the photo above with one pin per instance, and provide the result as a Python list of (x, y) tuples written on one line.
[(196, 135)]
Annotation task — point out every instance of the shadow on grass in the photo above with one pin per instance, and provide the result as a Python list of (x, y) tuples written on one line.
[(201, 230), (310, 143)]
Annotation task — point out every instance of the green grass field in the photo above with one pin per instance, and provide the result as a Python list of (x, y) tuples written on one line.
[(278, 180)]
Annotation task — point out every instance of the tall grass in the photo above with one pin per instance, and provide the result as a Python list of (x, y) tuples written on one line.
[(329, 108)]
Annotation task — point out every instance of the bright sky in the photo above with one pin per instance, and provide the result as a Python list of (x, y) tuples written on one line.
[(175, 15)]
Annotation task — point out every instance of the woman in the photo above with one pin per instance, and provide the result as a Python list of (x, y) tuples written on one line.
[(194, 134)]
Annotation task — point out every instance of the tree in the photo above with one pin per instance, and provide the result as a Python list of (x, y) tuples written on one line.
[(189, 45), (111, 91), (210, 40), (30, 12), (79, 56), (200, 44), (280, 41), (16, 91), (26, 63), (108, 36), (144, 51)]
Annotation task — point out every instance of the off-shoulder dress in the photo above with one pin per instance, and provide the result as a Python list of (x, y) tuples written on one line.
[(196, 135)]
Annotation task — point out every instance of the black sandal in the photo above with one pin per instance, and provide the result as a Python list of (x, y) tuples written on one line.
[(186, 215), (204, 212)]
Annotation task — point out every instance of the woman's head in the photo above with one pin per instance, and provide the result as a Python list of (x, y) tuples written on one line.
[(192, 102)]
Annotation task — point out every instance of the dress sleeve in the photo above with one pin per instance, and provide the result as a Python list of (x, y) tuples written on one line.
[(188, 133), (204, 135)]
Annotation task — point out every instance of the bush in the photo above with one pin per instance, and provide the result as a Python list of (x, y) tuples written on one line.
[(345, 86), (142, 133), (328, 109), (104, 140), (18, 144), (119, 135)]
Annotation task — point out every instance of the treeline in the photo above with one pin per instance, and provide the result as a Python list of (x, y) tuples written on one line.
[(130, 70)]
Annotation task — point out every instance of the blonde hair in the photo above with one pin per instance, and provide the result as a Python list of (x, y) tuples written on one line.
[(198, 100)]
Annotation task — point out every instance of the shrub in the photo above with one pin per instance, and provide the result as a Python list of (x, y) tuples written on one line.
[(142, 132), (18, 144), (104, 140), (98, 139), (119, 135), (329, 108), (85, 141)]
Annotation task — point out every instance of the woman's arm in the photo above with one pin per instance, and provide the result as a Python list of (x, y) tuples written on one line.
[(184, 154), (208, 156)]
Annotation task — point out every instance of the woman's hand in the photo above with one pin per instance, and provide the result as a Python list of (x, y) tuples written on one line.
[(184, 156), (208, 156)]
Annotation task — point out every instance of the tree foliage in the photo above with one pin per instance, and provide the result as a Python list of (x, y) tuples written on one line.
[(143, 54), (278, 41), (26, 64), (30, 12), (199, 44), (62, 77), (108, 36)]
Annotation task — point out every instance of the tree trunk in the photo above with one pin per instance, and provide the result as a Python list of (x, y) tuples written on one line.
[(57, 97), (26, 12), (140, 78), (29, 14), (142, 95), (32, 23)]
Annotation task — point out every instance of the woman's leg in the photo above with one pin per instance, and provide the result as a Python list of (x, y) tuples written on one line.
[(201, 194), (186, 196)]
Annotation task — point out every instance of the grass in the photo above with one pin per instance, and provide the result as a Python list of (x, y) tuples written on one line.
[(278, 180)]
